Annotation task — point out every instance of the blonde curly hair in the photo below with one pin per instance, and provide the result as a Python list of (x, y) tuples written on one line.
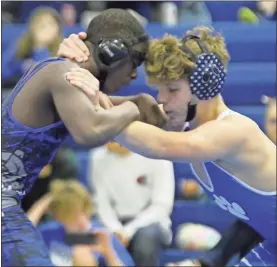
[(69, 196), (165, 61)]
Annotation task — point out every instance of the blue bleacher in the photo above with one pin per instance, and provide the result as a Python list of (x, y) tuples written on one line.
[(238, 38), (219, 9)]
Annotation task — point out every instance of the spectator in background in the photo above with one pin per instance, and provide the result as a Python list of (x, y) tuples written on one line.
[(41, 41), (270, 117), (144, 8), (132, 201), (71, 206), (63, 165), (195, 13), (265, 10), (172, 13), (191, 190), (9, 12)]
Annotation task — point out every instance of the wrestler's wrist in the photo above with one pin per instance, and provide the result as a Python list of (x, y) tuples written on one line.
[(136, 99), (133, 109)]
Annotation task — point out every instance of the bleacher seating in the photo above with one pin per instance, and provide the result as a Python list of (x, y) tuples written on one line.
[(238, 38), (251, 73), (218, 9)]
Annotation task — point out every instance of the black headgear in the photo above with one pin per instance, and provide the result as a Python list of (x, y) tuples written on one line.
[(207, 79), (112, 52)]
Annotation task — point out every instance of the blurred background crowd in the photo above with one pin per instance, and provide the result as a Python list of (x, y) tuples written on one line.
[(151, 212)]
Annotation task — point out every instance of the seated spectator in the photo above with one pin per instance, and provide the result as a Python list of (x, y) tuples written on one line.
[(9, 12), (144, 8), (270, 117), (71, 206), (27, 7), (42, 39), (191, 190), (192, 12), (134, 199), (63, 165), (265, 10)]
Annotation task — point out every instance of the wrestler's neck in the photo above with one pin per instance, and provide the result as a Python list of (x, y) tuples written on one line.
[(208, 110)]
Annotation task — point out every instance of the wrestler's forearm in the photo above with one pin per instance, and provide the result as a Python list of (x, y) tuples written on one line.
[(117, 100), (144, 139), (111, 122)]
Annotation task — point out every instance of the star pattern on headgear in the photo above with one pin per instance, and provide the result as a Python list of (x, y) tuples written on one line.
[(208, 78)]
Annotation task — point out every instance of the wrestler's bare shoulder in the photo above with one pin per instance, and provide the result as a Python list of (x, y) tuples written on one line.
[(254, 139), (248, 128), (58, 67), (242, 120)]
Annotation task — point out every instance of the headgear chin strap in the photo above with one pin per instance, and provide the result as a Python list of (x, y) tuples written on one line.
[(207, 79), (113, 52), (191, 112)]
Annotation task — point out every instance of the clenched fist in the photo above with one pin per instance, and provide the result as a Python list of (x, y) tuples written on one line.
[(150, 111)]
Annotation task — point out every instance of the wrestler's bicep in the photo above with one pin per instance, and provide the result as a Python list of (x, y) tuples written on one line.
[(74, 108)]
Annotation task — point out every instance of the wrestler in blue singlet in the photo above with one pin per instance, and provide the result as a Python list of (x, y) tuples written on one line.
[(254, 207), (25, 151)]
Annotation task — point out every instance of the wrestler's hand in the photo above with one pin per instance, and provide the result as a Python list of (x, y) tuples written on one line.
[(85, 81), (74, 47), (104, 101), (150, 112)]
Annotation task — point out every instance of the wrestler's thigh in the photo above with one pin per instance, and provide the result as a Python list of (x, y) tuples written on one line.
[(22, 245), (263, 254)]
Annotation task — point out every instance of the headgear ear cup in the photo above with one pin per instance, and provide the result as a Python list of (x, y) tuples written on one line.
[(207, 79), (110, 53), (107, 53)]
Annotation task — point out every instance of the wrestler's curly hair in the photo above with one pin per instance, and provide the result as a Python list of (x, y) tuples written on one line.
[(115, 22), (165, 61)]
